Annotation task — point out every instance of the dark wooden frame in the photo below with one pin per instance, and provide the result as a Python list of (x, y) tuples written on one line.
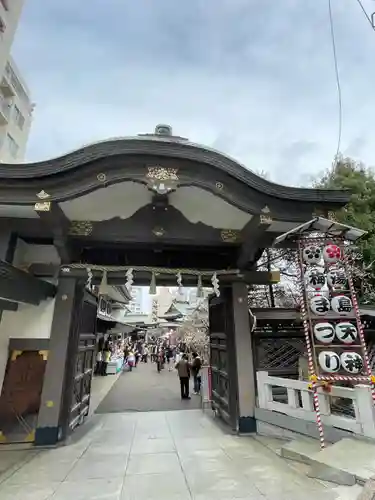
[(224, 341), (19, 286), (73, 412)]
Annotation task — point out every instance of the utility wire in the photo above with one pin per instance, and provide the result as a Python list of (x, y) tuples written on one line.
[(369, 19), (338, 84)]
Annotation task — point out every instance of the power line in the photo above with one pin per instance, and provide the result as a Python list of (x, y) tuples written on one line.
[(338, 84), (369, 19)]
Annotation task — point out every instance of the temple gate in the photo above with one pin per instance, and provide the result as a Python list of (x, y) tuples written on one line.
[(154, 203)]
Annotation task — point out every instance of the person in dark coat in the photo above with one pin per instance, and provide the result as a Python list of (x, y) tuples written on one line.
[(183, 369)]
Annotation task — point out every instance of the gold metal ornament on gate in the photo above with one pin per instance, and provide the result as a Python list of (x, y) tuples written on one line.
[(162, 173), (265, 219), (101, 177), (42, 206), (81, 228), (230, 235), (15, 354), (158, 231)]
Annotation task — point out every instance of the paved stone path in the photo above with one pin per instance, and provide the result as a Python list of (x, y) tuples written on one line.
[(158, 455), (174, 455), (144, 389)]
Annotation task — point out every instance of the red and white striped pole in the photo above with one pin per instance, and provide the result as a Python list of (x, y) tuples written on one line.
[(306, 328), (359, 322)]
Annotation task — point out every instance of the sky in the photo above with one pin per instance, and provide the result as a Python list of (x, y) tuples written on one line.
[(252, 78)]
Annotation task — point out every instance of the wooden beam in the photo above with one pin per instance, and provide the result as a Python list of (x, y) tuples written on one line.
[(276, 314), (19, 286), (254, 240), (6, 305), (56, 221), (25, 228)]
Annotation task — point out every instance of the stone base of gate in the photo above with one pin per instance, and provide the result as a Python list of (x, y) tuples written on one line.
[(100, 387), (247, 425), (47, 436)]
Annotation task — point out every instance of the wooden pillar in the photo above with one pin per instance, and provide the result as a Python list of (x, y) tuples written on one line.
[(244, 360), (49, 426), (8, 242)]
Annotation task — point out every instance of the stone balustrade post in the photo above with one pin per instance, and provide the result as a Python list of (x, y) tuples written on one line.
[(366, 409)]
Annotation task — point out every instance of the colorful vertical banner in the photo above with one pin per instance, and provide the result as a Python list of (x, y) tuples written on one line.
[(333, 330)]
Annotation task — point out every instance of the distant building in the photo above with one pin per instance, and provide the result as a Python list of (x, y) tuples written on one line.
[(185, 300), (194, 300), (162, 301), (135, 305), (15, 106)]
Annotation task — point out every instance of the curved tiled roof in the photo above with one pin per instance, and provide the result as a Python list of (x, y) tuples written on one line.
[(166, 146)]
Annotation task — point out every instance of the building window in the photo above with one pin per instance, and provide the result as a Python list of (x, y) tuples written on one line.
[(18, 117), (4, 3), (12, 146)]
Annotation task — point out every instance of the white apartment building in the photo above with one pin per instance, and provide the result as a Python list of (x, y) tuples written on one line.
[(185, 300), (15, 105), (136, 304)]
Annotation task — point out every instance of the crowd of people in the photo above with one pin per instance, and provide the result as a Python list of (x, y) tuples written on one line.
[(163, 355)]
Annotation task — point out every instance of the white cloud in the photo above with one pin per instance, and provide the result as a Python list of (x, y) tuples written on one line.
[(254, 79)]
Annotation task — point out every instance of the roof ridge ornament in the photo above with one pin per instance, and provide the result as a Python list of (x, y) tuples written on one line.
[(164, 131), (43, 195)]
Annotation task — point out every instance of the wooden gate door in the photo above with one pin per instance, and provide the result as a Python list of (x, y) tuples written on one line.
[(80, 363), (20, 397), (224, 383)]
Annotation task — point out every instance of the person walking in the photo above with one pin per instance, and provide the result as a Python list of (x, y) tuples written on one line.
[(183, 369), (145, 354), (126, 352), (106, 359), (154, 355), (168, 356), (99, 360), (196, 371), (131, 360), (160, 360), (137, 357)]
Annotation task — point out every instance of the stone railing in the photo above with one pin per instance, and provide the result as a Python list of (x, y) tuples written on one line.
[(299, 403)]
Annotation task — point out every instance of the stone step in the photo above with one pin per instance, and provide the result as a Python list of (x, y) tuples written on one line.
[(274, 444), (347, 462), (300, 454), (301, 450)]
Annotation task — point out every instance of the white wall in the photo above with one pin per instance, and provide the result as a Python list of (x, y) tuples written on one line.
[(28, 322), (26, 254)]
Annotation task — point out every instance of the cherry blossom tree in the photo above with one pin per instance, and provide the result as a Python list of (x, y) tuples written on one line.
[(194, 333)]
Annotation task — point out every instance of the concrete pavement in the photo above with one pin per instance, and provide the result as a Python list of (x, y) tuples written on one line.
[(144, 389), (176, 455), (163, 455)]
